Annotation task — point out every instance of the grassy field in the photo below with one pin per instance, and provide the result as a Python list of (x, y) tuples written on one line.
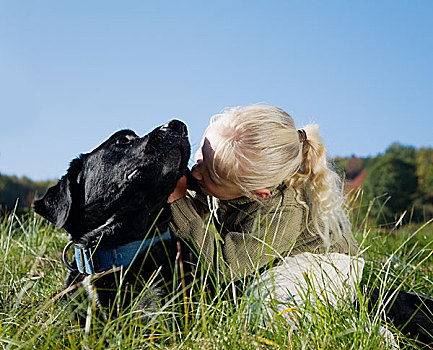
[(33, 316)]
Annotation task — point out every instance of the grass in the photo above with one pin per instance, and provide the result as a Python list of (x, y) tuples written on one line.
[(32, 316)]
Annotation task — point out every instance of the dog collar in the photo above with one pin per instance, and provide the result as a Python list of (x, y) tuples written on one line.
[(90, 261)]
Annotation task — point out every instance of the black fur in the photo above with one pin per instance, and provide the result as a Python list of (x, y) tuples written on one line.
[(412, 313), (115, 194)]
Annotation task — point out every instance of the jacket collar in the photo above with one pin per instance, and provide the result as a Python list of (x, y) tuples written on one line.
[(275, 191)]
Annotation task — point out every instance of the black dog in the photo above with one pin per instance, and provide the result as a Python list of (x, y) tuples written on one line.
[(113, 204)]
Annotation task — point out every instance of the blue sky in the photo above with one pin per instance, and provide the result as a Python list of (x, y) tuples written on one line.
[(74, 72)]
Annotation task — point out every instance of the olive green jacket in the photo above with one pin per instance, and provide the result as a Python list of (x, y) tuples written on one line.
[(251, 233)]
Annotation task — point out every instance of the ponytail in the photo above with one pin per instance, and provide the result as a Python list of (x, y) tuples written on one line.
[(321, 185)]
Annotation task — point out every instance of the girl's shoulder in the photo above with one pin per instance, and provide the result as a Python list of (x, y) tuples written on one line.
[(287, 195)]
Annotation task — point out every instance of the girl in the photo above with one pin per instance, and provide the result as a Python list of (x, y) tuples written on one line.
[(272, 196)]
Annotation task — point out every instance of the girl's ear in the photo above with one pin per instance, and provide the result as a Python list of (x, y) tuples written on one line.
[(262, 193)]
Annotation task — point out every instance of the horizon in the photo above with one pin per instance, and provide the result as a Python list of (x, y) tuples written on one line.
[(74, 73), (331, 158)]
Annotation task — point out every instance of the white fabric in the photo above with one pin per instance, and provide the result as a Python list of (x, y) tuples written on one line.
[(285, 288), (306, 278), (389, 337)]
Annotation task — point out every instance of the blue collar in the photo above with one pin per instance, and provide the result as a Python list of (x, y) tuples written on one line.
[(90, 261)]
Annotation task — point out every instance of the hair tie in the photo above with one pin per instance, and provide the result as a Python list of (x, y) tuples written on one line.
[(302, 135)]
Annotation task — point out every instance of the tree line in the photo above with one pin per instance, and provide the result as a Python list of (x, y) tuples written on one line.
[(20, 191), (397, 181), (400, 181)]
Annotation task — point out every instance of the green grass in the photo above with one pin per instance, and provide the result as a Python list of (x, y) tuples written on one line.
[(32, 316)]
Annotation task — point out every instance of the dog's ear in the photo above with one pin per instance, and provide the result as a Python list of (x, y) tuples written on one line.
[(56, 204)]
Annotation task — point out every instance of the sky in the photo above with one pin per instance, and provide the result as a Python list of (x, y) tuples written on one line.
[(74, 72)]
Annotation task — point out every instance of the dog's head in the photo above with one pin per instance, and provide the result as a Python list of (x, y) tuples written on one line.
[(126, 181)]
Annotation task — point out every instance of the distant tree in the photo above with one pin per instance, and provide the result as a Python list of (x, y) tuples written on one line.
[(349, 168), (399, 151), (424, 171), (23, 190), (339, 164), (402, 172), (354, 167), (395, 178), (367, 163), (10, 190)]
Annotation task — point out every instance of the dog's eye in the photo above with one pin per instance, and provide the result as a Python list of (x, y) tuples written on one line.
[(124, 140)]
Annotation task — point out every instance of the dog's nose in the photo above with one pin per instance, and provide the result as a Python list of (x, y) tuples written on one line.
[(178, 126)]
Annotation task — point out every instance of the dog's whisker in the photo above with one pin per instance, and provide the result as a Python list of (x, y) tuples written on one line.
[(131, 176)]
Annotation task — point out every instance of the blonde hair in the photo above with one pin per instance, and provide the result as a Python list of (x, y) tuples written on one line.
[(260, 148)]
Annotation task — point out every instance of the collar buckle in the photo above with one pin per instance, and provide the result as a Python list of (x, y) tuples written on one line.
[(65, 258)]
